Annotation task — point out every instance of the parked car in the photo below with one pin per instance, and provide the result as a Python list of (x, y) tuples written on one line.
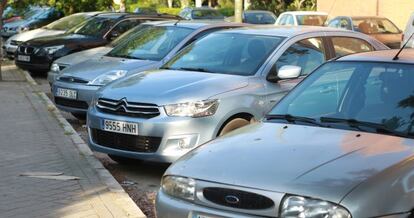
[(11, 14), (55, 28), (147, 49), (37, 55), (380, 28), (217, 84), (72, 59), (302, 18), (256, 17), (409, 31), (34, 18), (339, 145), (200, 13)]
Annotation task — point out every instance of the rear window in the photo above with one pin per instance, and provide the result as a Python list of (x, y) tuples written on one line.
[(375, 26), (311, 20)]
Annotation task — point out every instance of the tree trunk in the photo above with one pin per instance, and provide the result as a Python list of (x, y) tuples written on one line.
[(2, 6), (247, 4), (210, 3), (170, 3), (198, 3), (238, 10)]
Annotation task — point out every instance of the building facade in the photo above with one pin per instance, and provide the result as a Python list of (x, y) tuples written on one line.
[(398, 11)]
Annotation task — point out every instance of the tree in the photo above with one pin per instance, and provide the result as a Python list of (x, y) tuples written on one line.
[(3, 4), (238, 10)]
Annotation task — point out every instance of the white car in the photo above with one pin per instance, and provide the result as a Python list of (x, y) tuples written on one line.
[(409, 30), (58, 27), (302, 18)]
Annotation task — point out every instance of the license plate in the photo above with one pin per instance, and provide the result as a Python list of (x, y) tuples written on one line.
[(66, 93), (23, 58), (121, 127)]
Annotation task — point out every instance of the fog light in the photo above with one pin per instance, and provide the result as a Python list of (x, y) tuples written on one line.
[(177, 144)]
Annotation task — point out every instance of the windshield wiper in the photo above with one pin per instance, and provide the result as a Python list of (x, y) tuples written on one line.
[(194, 69), (357, 124), (293, 119)]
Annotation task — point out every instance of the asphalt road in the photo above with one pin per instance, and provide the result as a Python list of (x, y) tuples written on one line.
[(141, 180)]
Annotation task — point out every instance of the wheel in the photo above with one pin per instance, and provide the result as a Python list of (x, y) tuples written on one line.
[(37, 73), (79, 116), (233, 124), (123, 160)]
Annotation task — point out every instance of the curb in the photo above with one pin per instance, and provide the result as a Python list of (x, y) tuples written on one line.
[(123, 200)]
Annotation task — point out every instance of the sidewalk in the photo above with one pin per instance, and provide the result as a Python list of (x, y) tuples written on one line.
[(33, 138)]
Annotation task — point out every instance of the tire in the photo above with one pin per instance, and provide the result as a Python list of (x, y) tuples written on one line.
[(123, 160), (233, 124), (79, 116)]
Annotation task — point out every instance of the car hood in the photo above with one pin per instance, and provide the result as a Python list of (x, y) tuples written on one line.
[(163, 87), (302, 160), (81, 56), (62, 39), (92, 68), (36, 33)]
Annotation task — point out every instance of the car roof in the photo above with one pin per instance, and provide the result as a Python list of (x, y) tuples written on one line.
[(305, 13), (406, 56), (196, 24), (118, 15), (258, 11), (285, 31)]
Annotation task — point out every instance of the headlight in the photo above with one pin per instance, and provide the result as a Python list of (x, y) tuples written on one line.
[(296, 206), (192, 109), (108, 77), (55, 68), (53, 49), (22, 29), (179, 187)]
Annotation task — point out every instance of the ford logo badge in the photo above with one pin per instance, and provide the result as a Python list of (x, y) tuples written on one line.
[(231, 199)]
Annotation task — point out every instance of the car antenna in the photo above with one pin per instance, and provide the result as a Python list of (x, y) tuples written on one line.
[(402, 48)]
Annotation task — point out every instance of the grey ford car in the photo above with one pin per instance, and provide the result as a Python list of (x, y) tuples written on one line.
[(219, 83), (339, 145), (148, 48)]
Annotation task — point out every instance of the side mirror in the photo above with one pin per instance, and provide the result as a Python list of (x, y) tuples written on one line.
[(289, 72)]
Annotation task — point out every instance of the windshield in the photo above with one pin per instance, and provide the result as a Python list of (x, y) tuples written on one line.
[(375, 26), (311, 20), (226, 53), (66, 22), (206, 14), (96, 26), (354, 94), (33, 13), (151, 43), (259, 18)]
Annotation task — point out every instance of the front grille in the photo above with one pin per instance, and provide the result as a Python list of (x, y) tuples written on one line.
[(126, 142), (237, 199), (24, 49), (71, 103), (71, 79), (125, 108)]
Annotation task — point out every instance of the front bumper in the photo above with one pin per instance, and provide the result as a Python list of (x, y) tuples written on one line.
[(167, 206), (168, 131), (10, 50), (36, 63), (51, 76), (85, 95), (8, 33)]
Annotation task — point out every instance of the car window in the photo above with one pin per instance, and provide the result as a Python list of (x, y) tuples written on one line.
[(373, 92), (282, 20), (348, 45), (345, 24), (226, 53), (151, 43), (334, 23), (125, 26), (206, 14), (311, 20), (375, 26), (289, 20), (67, 22), (96, 26), (307, 54), (259, 18)]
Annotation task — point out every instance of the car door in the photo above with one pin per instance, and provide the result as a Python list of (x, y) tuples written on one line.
[(308, 53)]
